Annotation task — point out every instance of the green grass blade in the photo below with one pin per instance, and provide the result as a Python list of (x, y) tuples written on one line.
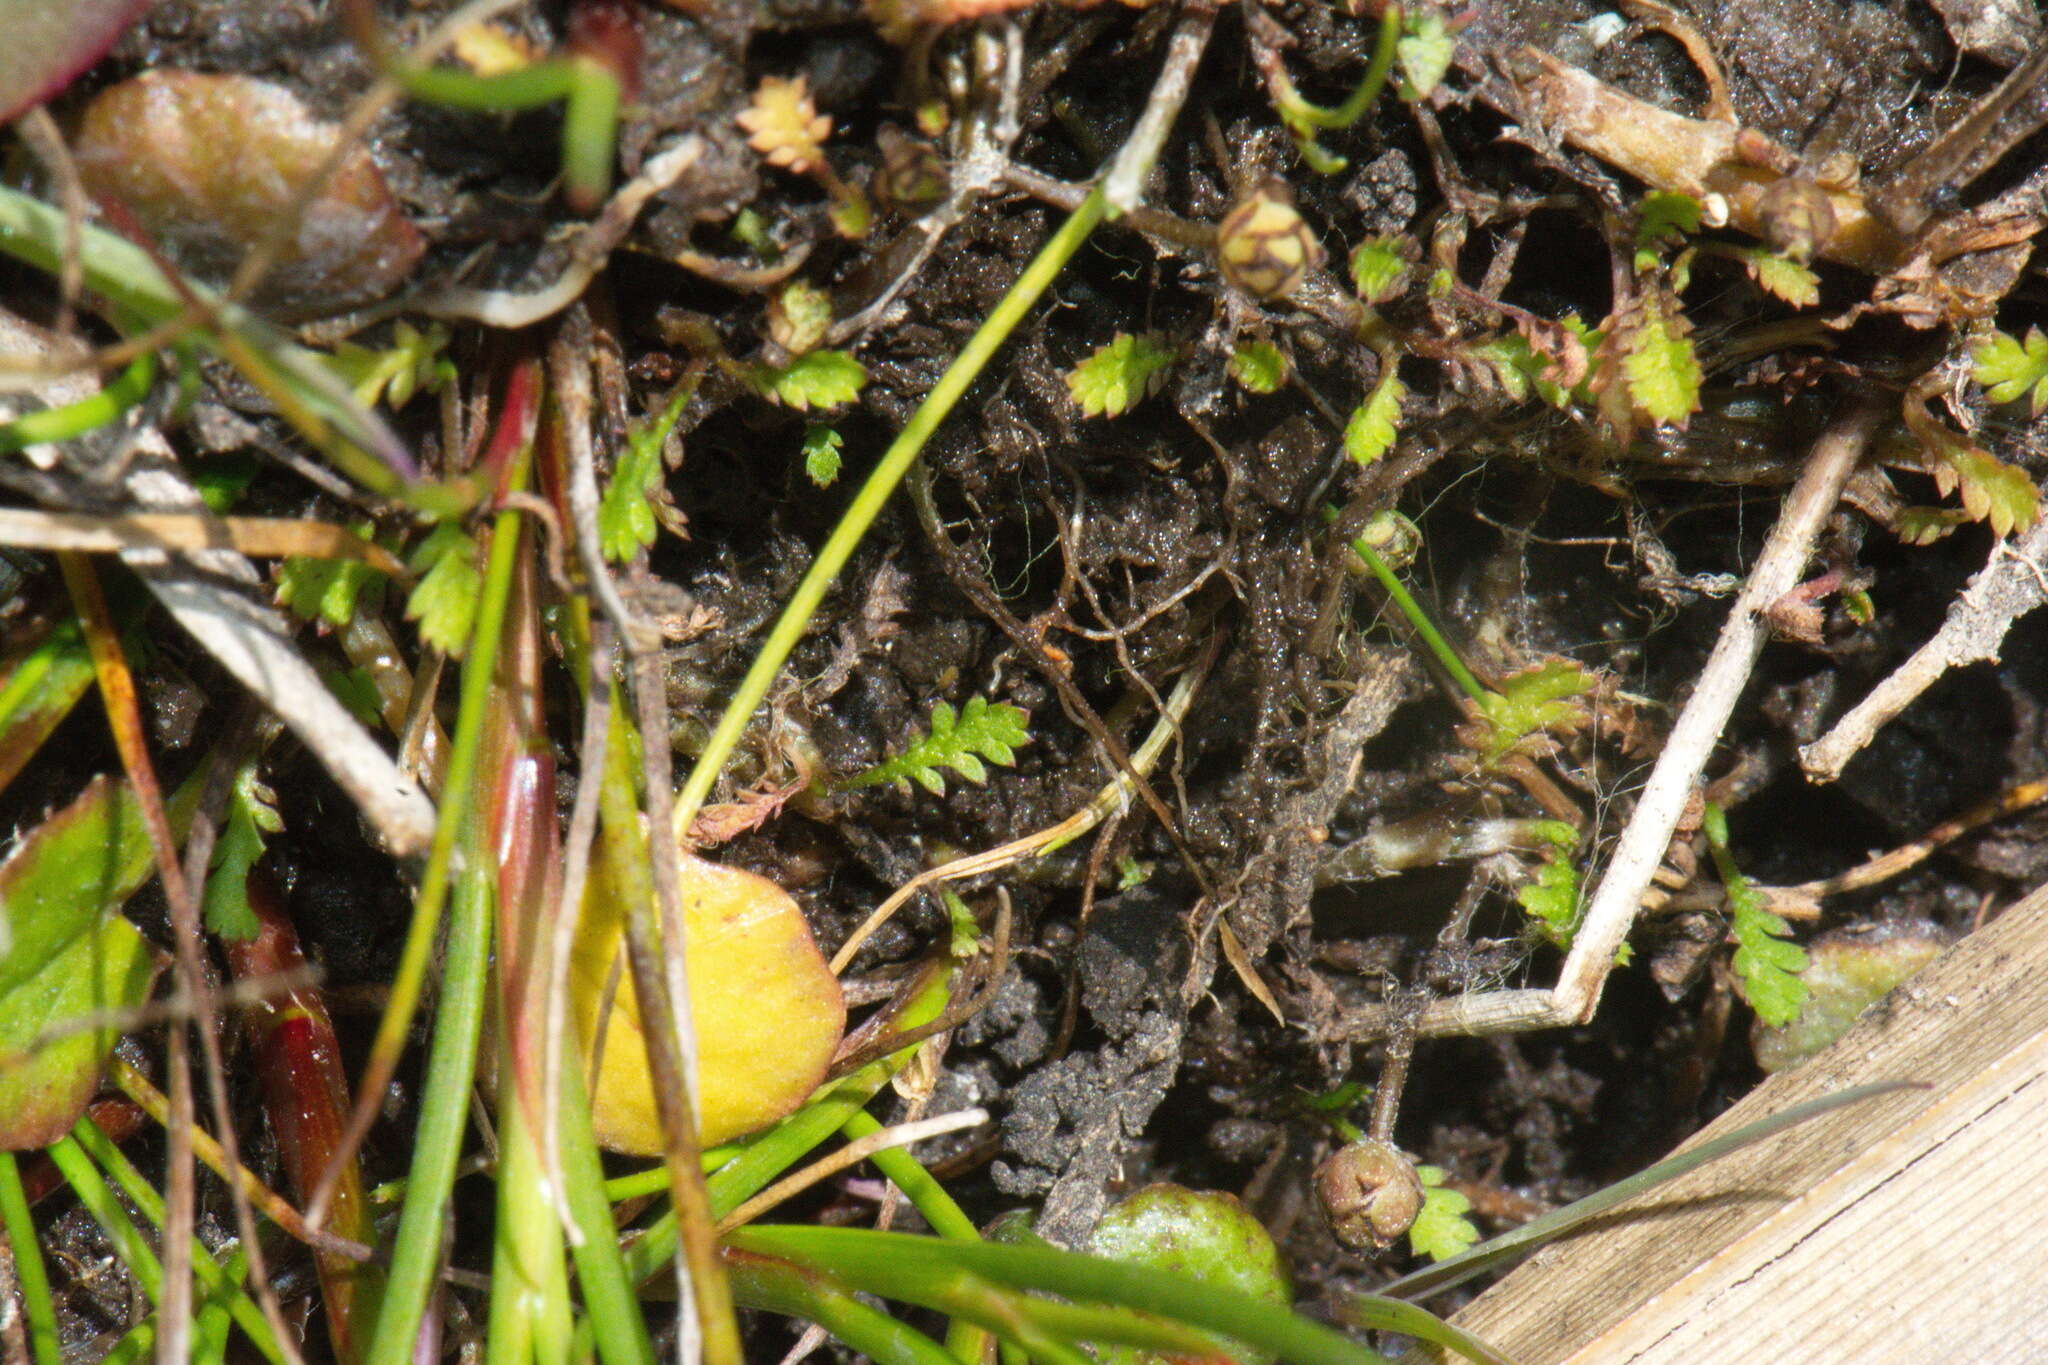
[(211, 1277), (619, 1329), (902, 1265), (778, 1287), (29, 1271), (444, 1114)]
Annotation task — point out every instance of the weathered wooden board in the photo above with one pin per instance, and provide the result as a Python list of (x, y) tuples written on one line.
[(1910, 1228)]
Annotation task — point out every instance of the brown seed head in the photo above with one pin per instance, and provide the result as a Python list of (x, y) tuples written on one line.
[(1370, 1194)]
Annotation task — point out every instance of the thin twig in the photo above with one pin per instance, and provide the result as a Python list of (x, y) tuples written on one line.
[(2009, 586)]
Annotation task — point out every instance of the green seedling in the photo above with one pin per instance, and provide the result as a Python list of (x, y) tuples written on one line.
[(815, 379), (1258, 367), (2009, 369), (626, 518), (1441, 1228), (821, 447), (1375, 423)]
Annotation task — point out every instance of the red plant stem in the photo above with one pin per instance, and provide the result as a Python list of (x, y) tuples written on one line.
[(305, 1093)]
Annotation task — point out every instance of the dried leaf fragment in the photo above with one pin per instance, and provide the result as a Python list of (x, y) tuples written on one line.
[(209, 164)]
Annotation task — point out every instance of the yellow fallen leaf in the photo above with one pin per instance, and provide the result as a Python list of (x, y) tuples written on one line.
[(768, 1012)]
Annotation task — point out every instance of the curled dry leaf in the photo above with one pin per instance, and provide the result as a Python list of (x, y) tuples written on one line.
[(208, 164), (767, 1010)]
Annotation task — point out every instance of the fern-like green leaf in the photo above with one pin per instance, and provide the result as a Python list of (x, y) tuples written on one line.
[(980, 731), (325, 589), (1119, 374), (1441, 1230), (1992, 490), (1658, 362), (1538, 700), (1376, 422), (625, 515), (252, 813), (1781, 276), (1379, 267), (1552, 898), (1767, 963)]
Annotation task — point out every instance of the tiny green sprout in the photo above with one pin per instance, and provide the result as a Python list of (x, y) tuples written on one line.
[(1130, 872), (2008, 368), (1767, 964), (444, 600), (1258, 366), (1664, 216), (1857, 602), (1379, 267), (821, 453), (750, 230), (1118, 374), (413, 363), (816, 379), (980, 730), (1376, 422), (1441, 1230), (1543, 699), (1423, 52)]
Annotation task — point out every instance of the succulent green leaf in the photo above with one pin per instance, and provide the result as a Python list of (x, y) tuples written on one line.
[(816, 379), (1202, 1234), (980, 731), (73, 954), (1119, 374)]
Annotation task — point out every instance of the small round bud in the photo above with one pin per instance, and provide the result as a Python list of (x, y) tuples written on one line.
[(1798, 218), (1263, 246), (1370, 1194)]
